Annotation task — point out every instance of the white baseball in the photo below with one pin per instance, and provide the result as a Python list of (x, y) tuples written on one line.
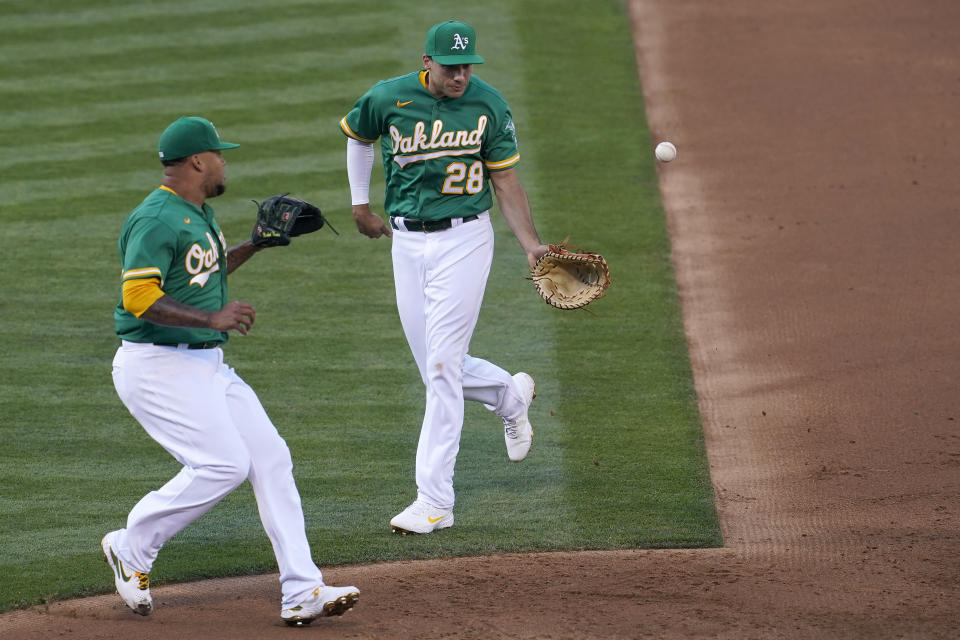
[(666, 152)]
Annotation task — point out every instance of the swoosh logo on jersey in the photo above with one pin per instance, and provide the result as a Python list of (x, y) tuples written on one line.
[(433, 520), (403, 161), (119, 566), (201, 278), (403, 104)]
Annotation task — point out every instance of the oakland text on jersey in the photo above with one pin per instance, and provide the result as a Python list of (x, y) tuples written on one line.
[(449, 143), (198, 259)]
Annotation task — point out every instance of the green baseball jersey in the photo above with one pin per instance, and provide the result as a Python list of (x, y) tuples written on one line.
[(437, 153), (169, 238)]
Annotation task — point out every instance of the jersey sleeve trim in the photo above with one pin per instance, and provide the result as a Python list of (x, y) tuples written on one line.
[(350, 133), (503, 164), (133, 274)]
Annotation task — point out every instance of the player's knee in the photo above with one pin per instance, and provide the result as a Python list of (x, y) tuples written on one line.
[(444, 373), (231, 471)]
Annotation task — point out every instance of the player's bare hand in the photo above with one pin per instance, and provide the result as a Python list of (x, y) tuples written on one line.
[(234, 316), (369, 223), (536, 253)]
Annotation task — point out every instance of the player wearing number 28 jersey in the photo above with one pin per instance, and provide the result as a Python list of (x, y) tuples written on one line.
[(448, 144), (436, 152)]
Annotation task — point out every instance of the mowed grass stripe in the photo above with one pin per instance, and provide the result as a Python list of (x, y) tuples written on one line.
[(144, 17), (323, 51), (316, 95), (180, 23), (324, 34), (79, 160), (129, 151), (84, 80), (317, 162), (125, 134)]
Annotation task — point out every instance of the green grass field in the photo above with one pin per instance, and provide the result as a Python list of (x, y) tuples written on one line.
[(88, 86)]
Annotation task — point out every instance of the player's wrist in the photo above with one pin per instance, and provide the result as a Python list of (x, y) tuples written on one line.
[(361, 209)]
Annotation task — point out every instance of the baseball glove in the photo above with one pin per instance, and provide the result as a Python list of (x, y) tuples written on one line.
[(280, 218), (569, 279)]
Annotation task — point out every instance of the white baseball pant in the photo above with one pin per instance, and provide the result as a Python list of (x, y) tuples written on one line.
[(211, 421), (440, 279)]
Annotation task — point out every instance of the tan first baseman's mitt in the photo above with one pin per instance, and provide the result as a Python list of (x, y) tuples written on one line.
[(570, 280)]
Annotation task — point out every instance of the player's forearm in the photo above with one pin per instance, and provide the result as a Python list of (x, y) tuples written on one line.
[(516, 209), (170, 312), (239, 254), (233, 316)]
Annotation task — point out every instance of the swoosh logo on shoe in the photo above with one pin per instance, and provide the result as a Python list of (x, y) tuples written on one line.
[(434, 520), (119, 566), (403, 104)]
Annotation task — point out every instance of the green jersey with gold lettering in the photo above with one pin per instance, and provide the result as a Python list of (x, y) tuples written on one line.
[(168, 238), (437, 152)]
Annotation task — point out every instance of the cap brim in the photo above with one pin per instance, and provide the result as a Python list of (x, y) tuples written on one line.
[(225, 145), (458, 59)]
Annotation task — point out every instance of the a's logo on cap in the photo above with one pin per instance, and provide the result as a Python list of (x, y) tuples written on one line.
[(459, 43)]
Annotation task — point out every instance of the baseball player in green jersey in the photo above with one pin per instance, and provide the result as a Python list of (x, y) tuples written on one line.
[(448, 141), (173, 318)]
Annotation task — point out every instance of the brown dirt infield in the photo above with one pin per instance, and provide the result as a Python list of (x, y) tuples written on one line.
[(813, 213)]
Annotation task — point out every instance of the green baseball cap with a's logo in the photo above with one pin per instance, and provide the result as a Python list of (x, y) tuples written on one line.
[(452, 42), (190, 135)]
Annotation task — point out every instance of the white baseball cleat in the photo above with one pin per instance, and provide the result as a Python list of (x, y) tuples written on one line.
[(517, 432), (133, 586), (324, 601), (421, 517)]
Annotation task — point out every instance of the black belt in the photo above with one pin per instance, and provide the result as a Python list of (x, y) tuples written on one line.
[(195, 345), (428, 226)]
